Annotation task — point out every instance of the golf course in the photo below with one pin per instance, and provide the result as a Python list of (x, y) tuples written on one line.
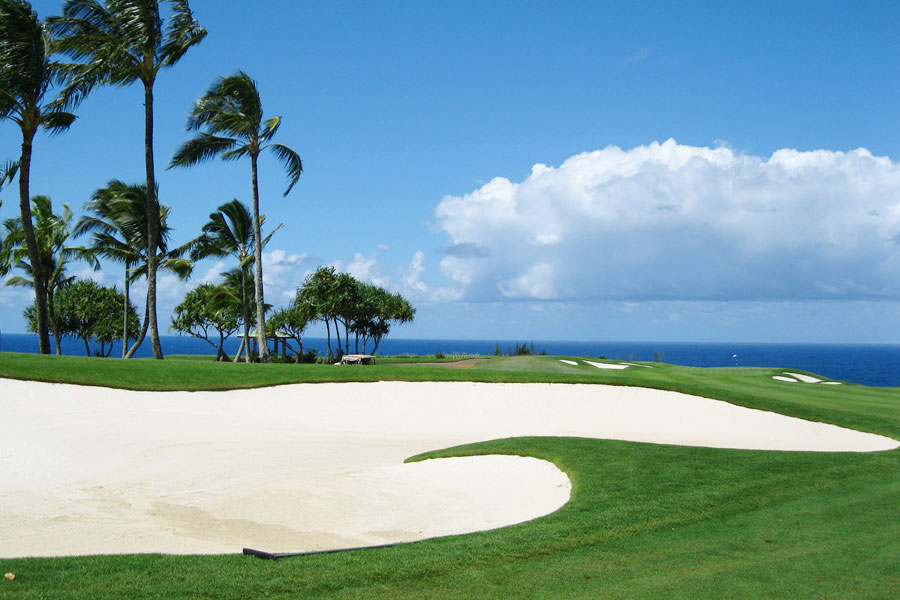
[(643, 519)]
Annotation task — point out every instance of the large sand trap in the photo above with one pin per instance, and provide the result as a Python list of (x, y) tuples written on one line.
[(302, 467)]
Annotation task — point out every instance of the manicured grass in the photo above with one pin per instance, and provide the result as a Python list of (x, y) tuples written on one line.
[(645, 520)]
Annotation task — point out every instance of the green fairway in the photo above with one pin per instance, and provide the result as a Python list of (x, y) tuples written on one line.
[(644, 521)]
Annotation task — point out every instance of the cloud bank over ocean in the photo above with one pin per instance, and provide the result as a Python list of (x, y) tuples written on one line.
[(668, 221)]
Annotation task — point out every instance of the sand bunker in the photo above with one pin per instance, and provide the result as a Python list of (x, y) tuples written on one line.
[(305, 467), (798, 377), (606, 365)]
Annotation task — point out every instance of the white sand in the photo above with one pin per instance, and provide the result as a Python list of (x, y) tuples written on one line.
[(797, 377), (301, 467), (568, 362), (605, 365), (804, 378)]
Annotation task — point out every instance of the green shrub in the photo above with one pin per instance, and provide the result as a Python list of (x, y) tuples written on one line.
[(308, 357)]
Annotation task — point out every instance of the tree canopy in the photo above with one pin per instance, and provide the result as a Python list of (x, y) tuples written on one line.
[(91, 312), (364, 309), (204, 314)]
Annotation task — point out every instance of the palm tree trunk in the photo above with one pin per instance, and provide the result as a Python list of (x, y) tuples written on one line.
[(141, 335), (152, 219), (125, 320), (257, 259), (246, 307), (337, 335), (328, 330), (51, 313), (237, 357), (222, 356), (37, 274)]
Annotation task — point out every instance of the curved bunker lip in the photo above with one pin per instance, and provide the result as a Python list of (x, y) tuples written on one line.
[(318, 466)]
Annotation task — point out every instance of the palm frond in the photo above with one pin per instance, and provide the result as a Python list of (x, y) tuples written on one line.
[(240, 221), (138, 272), (57, 121), (230, 106), (201, 148), (266, 239), (206, 246), (235, 154), (291, 162), (77, 83), (179, 251), (8, 172), (270, 126), (118, 42), (182, 33), (90, 224), (18, 281), (228, 231), (114, 249), (105, 49), (24, 65), (181, 267), (80, 252)]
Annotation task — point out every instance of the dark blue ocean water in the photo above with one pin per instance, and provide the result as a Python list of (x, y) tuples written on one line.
[(875, 365)]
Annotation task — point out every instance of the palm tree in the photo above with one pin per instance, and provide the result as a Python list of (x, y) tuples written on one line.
[(117, 43), (232, 107), (52, 231), (26, 73), (229, 232), (118, 219)]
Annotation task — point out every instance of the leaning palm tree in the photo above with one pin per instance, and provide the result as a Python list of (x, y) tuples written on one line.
[(117, 43), (117, 216), (26, 73), (232, 116), (229, 232), (52, 232)]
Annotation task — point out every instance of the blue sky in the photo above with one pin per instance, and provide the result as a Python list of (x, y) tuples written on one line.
[(705, 171)]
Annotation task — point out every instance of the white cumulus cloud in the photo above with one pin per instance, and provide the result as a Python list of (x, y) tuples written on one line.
[(670, 221)]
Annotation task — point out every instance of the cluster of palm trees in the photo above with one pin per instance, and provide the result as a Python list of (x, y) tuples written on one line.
[(118, 43), (52, 233), (117, 217)]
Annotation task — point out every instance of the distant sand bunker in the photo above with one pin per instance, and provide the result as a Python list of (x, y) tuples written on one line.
[(314, 466)]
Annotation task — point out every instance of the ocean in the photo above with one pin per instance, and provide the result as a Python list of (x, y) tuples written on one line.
[(866, 364)]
